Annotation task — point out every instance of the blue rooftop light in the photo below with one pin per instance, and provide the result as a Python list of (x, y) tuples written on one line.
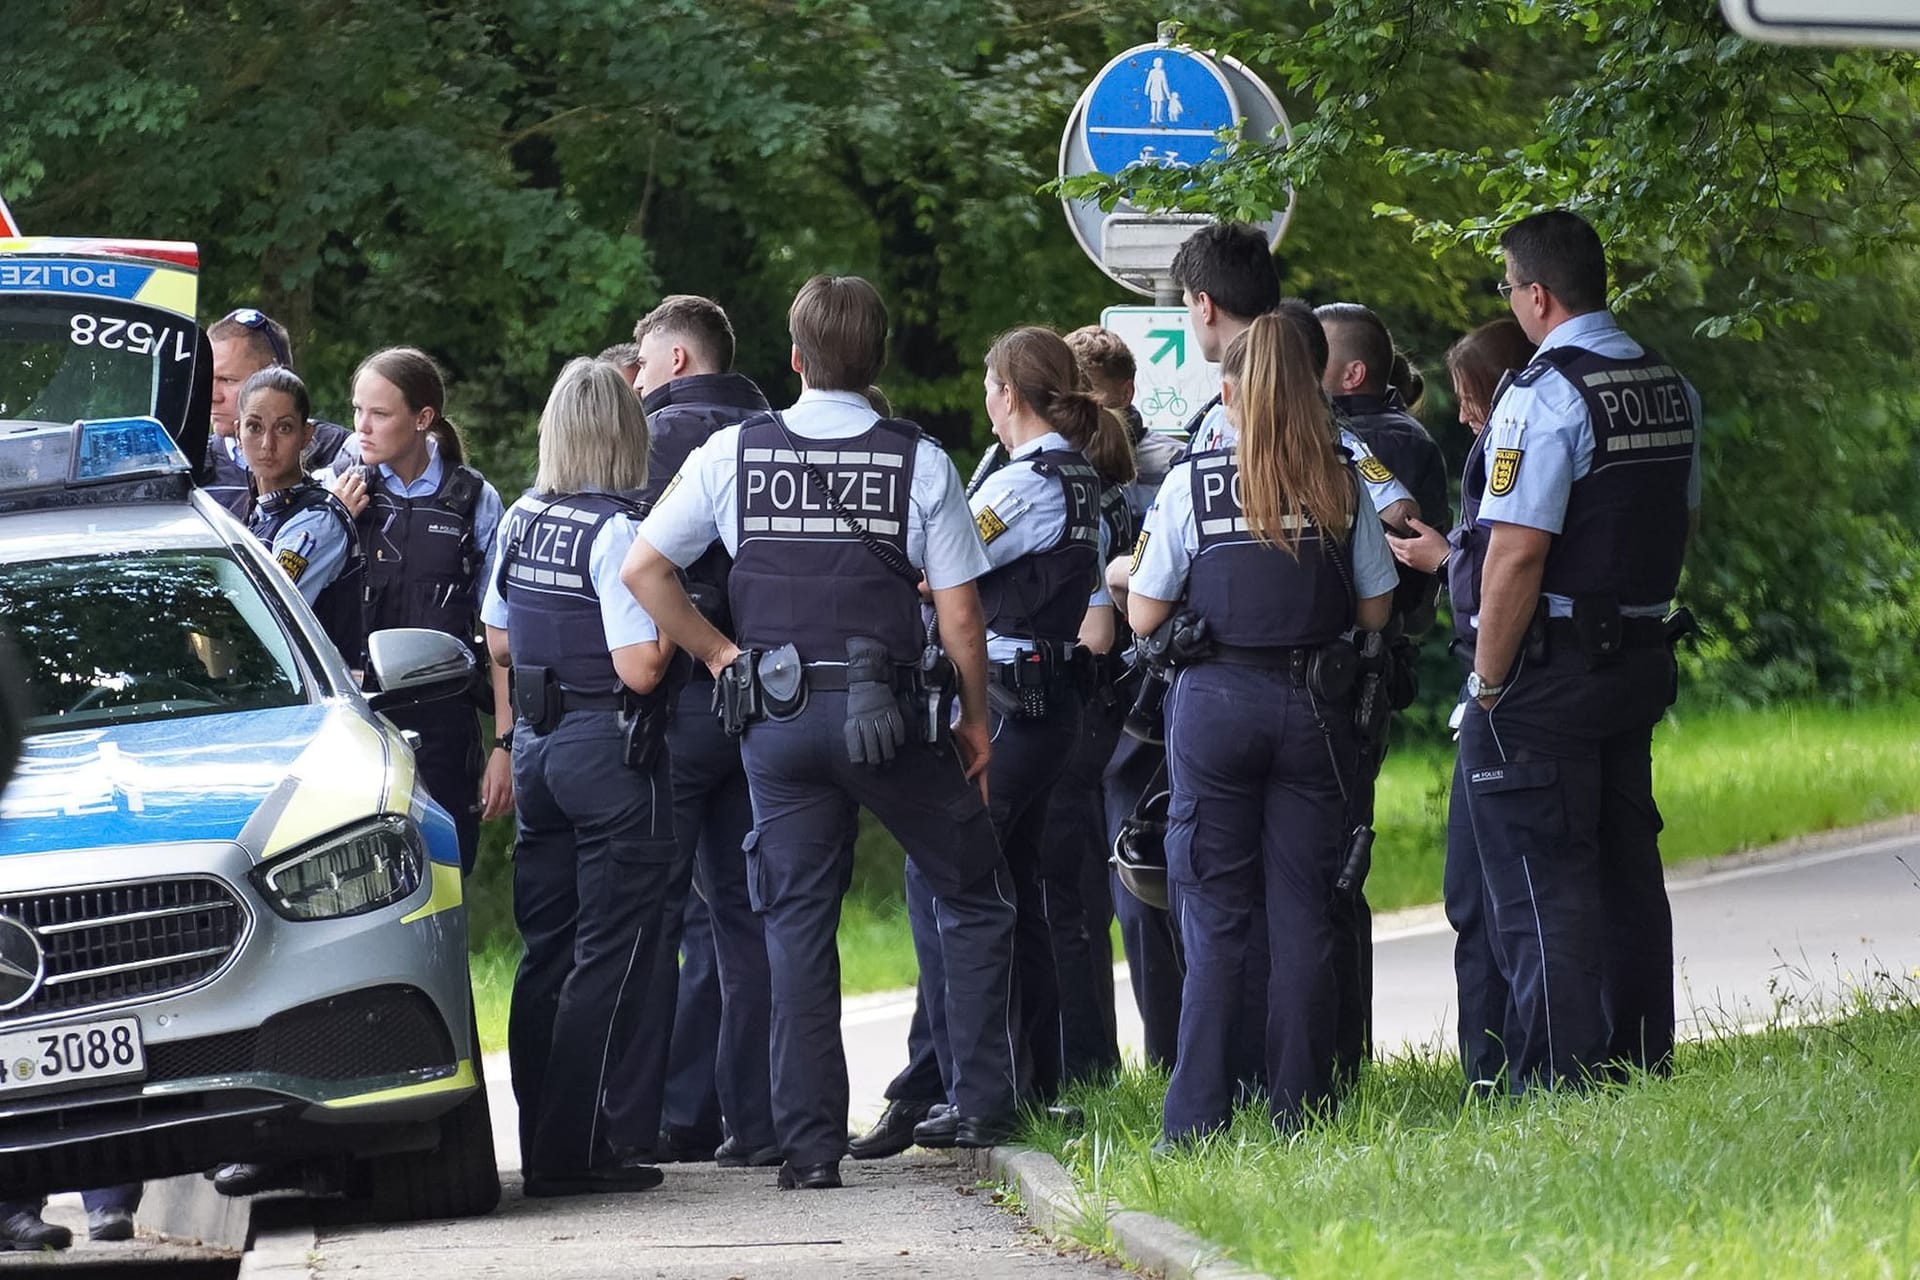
[(121, 448)]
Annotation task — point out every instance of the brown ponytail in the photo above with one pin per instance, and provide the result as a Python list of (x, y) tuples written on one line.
[(1037, 363), (1290, 466)]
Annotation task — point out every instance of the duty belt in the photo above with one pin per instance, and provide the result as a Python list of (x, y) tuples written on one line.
[(574, 700), (1635, 633), (831, 677), (1280, 657)]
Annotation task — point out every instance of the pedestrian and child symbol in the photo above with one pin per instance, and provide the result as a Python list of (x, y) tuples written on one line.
[(1161, 108)]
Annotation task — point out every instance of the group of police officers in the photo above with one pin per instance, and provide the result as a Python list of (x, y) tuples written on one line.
[(717, 630)]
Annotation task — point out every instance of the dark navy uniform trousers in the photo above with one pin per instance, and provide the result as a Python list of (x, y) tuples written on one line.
[(1254, 840), (1154, 966), (1029, 756), (800, 861), (590, 870), (1559, 781), (1076, 836), (691, 1104), (1484, 1000), (450, 764), (712, 814)]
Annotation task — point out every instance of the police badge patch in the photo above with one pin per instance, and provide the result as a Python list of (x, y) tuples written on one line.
[(293, 562), (1506, 469), (1139, 550), (989, 523), (1374, 471)]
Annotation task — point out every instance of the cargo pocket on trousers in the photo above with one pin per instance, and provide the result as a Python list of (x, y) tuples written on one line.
[(750, 846), (1514, 797)]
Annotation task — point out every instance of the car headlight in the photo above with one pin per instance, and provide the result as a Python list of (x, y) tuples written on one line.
[(359, 869)]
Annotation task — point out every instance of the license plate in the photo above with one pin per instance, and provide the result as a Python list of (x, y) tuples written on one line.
[(67, 1057)]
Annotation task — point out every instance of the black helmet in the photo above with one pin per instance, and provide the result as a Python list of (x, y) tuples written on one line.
[(1140, 850)]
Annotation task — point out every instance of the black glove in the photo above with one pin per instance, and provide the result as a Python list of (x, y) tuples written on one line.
[(875, 728)]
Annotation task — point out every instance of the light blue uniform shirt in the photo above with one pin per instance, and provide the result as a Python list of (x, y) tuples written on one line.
[(702, 502), (1030, 512), (486, 512), (1216, 432), (1547, 422), (1173, 540), (312, 548), (621, 616)]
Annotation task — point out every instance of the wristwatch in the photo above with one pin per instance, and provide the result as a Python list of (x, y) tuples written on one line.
[(1477, 687), (504, 741)]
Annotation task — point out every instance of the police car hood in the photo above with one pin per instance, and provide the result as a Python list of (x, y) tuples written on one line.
[(270, 780)]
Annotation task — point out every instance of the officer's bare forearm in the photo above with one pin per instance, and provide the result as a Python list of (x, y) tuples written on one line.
[(963, 634), (1097, 629), (1509, 593), (1119, 575), (502, 695), (651, 578), (1145, 614)]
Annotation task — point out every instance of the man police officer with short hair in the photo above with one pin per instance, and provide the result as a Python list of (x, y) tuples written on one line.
[(832, 514), (1575, 532)]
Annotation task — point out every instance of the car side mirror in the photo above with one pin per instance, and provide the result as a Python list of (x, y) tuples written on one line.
[(415, 664)]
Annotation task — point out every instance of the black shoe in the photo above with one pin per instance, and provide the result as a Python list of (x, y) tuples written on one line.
[(734, 1154), (611, 1179), (892, 1133), (937, 1131), (109, 1224), (685, 1146), (27, 1231), (809, 1177), (976, 1132), (252, 1179)]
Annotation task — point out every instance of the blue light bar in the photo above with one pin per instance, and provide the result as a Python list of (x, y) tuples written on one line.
[(122, 448)]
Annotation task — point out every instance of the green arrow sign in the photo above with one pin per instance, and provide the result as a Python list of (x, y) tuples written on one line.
[(1175, 341)]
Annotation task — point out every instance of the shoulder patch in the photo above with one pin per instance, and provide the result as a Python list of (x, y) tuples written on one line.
[(1374, 471), (1139, 550), (1505, 470), (293, 562), (989, 523)]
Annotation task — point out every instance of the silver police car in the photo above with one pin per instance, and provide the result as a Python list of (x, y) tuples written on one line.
[(231, 924)]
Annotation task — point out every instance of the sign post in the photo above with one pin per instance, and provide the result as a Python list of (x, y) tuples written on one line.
[(1159, 104), (1171, 379)]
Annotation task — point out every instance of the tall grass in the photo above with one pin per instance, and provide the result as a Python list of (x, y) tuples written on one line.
[(1795, 1152)]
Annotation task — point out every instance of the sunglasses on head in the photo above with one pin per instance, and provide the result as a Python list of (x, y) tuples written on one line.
[(256, 320)]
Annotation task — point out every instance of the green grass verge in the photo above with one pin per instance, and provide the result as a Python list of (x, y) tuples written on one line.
[(1795, 1152), (1727, 779)]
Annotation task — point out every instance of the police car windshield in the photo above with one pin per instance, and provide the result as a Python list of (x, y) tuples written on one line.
[(144, 636), (63, 360)]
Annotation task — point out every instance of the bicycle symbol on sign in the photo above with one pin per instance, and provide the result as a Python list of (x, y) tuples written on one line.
[(1167, 400)]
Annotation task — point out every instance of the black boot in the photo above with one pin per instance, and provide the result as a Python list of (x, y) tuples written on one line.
[(27, 1232), (892, 1133)]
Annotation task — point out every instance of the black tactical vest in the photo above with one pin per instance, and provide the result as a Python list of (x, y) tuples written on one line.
[(227, 482), (340, 603), (1043, 595), (1469, 541), (801, 575), (423, 557), (1252, 594), (553, 609), (1626, 525)]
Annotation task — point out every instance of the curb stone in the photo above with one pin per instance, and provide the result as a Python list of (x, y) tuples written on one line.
[(1054, 1206), (188, 1208), (285, 1245)]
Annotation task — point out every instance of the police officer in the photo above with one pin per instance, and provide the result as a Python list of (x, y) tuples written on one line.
[(832, 515), (1481, 364), (595, 844), (1571, 561), (1039, 517), (1360, 362), (684, 373), (1272, 547), (428, 525), (308, 531), (245, 341)]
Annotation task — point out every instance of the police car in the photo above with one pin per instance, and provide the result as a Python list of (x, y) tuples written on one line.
[(231, 925)]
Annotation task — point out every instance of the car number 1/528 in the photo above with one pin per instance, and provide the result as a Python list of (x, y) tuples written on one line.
[(82, 1053)]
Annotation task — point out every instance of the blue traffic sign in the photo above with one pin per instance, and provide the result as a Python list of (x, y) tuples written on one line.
[(1156, 105)]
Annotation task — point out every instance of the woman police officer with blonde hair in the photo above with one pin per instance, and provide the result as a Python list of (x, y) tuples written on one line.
[(593, 796)]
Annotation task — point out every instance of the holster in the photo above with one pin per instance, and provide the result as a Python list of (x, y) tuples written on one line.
[(1598, 628), (536, 698), (1333, 669), (1535, 642), (930, 703), (736, 694), (644, 719)]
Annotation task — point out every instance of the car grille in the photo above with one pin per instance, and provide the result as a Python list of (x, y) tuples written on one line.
[(378, 1031), (117, 943)]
